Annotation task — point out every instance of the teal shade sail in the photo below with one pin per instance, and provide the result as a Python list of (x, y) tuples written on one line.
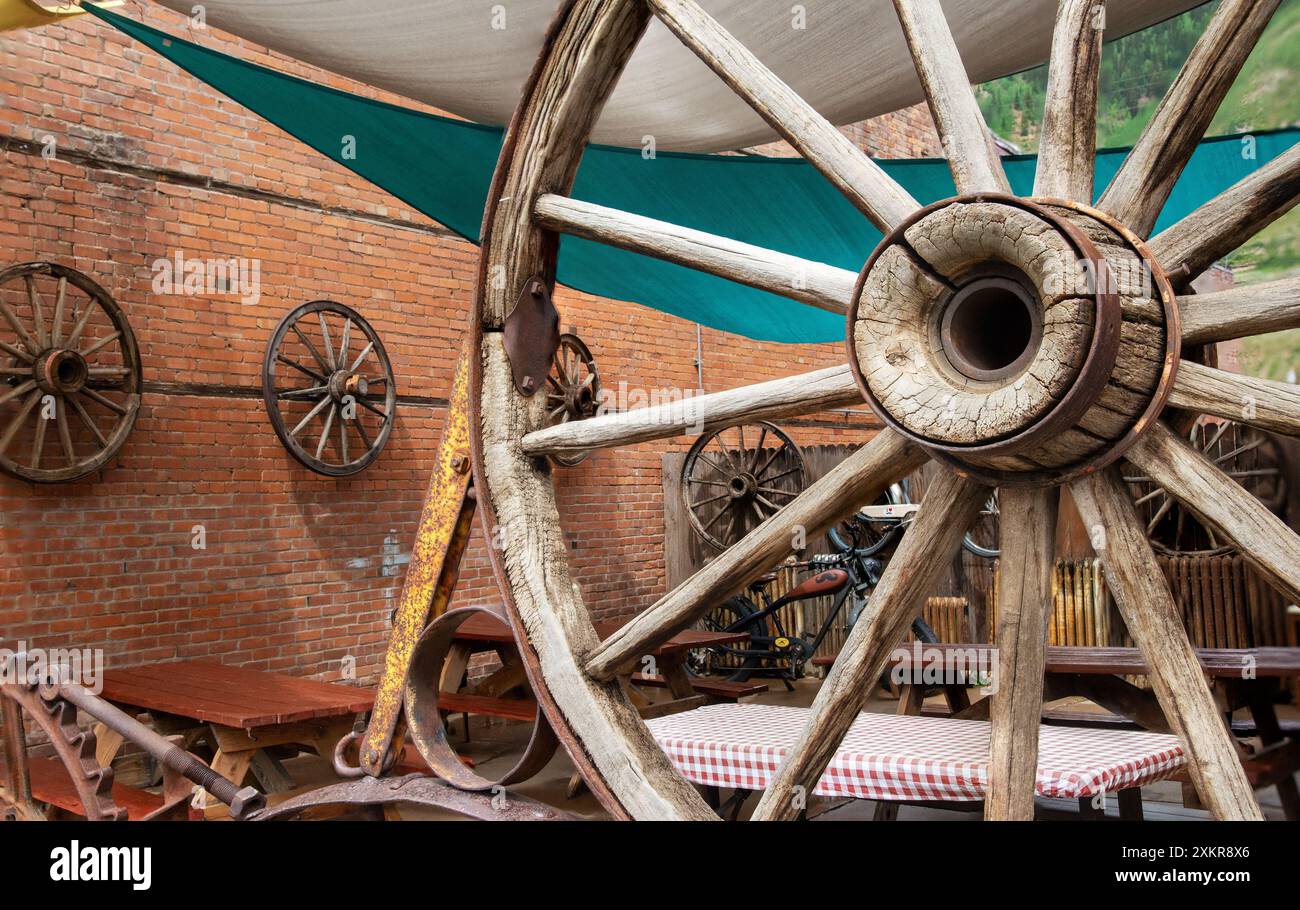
[(443, 167)]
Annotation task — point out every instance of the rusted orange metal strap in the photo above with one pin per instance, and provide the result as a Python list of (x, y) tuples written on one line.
[(440, 542)]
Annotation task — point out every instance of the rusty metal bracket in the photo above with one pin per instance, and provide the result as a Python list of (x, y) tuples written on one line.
[(532, 335), (440, 540)]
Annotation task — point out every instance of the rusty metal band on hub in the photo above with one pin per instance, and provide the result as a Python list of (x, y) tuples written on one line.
[(424, 717)]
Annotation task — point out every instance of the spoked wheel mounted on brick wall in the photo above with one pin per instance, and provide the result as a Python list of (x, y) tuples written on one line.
[(329, 388), (1086, 362), (69, 371)]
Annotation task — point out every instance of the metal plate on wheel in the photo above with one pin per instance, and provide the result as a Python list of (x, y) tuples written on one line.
[(532, 333)]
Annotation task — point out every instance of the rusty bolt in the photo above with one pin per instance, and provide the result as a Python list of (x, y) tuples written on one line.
[(460, 464), (372, 756), (246, 802), (528, 383)]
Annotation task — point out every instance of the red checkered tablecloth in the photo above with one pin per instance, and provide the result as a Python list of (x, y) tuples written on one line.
[(892, 757)]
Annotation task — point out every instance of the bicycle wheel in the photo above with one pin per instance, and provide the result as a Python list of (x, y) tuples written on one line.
[(736, 614)]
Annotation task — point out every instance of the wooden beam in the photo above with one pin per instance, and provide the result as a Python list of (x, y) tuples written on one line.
[(806, 393), (973, 158), (1239, 312), (815, 283), (1028, 557), (860, 179), (1191, 245), (856, 480), (925, 551), (1264, 539), (1143, 597), (1068, 146), (1142, 185), (1262, 403)]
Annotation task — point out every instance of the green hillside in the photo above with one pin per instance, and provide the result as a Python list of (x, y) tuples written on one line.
[(1135, 73)]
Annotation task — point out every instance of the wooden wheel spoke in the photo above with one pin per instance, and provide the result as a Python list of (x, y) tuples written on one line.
[(365, 403), (1144, 599), (1260, 403), (695, 504), (307, 418), (343, 439), (794, 395), (855, 175), (819, 285), (38, 441), (306, 371), (758, 451), (1191, 245), (325, 432), (86, 419), (343, 342), (972, 157), (311, 393), (38, 312), (365, 352), (16, 422), (65, 431), (17, 391), (1142, 185), (1068, 147), (361, 431), (312, 349), (1027, 542), (859, 478), (1264, 538), (103, 401), (325, 340), (16, 352), (101, 344), (924, 551), (1239, 312), (60, 300), (80, 325), (24, 337)]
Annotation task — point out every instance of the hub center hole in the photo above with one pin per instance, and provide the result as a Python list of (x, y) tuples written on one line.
[(991, 328)]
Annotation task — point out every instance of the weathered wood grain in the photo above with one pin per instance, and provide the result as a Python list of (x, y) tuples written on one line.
[(856, 480), (1142, 185), (972, 156), (925, 551), (606, 738), (860, 179), (1027, 543), (1264, 539), (806, 393), (1256, 309), (815, 283), (1261, 403), (1191, 245), (1143, 597), (1068, 147)]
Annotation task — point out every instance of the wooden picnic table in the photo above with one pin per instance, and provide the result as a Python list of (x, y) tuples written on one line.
[(1247, 678), (240, 712)]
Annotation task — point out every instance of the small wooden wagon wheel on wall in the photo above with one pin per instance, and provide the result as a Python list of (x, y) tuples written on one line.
[(70, 381), (1251, 457), (1076, 377), (736, 478), (572, 390), (329, 388)]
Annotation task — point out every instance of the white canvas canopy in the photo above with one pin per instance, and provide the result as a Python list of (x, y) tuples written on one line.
[(471, 57)]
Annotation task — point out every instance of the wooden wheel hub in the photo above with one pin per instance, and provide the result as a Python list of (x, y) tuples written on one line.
[(343, 383), (1023, 340), (61, 372)]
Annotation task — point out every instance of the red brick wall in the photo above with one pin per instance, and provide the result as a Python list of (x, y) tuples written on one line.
[(300, 571)]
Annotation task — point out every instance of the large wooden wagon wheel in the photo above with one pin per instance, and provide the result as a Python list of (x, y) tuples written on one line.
[(69, 369), (729, 488), (573, 389), (1251, 457), (1085, 358), (331, 395)]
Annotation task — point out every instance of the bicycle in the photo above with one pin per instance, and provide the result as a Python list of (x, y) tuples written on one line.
[(875, 527)]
